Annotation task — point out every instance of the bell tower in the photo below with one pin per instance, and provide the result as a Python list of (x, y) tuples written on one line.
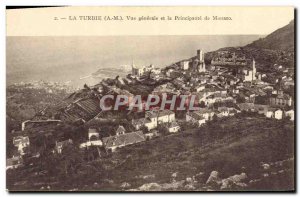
[(253, 70)]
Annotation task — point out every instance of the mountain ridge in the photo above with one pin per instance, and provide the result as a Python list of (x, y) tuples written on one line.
[(280, 39)]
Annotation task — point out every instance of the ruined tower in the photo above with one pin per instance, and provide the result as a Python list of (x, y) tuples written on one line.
[(200, 57)]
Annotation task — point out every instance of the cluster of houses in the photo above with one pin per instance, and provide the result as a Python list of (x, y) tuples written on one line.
[(196, 63), (268, 111), (203, 115), (229, 79), (122, 138), (153, 118), (227, 58), (139, 71), (21, 143)]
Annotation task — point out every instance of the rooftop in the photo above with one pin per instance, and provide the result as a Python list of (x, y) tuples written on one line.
[(158, 113), (64, 143), (124, 139), (20, 139), (196, 115)]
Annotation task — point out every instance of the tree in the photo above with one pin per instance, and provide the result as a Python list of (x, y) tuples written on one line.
[(214, 118), (70, 158), (202, 104), (86, 87), (240, 99), (162, 129), (144, 129)]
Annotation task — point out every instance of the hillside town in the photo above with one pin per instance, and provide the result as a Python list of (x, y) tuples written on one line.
[(229, 85)]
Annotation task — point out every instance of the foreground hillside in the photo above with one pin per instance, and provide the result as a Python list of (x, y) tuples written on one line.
[(255, 149)]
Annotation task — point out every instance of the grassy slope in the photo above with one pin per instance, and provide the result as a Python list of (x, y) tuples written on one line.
[(244, 143), (230, 146)]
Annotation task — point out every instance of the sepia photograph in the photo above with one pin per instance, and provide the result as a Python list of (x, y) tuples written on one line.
[(208, 108)]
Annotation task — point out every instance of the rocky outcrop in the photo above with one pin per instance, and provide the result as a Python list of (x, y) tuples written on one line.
[(160, 187), (125, 185), (214, 179), (265, 166), (234, 181), (150, 187)]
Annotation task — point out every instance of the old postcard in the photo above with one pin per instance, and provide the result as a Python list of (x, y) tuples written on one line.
[(141, 99)]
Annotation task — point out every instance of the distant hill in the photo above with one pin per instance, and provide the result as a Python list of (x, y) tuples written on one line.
[(281, 39)]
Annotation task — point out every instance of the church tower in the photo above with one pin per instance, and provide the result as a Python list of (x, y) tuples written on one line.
[(253, 70)]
